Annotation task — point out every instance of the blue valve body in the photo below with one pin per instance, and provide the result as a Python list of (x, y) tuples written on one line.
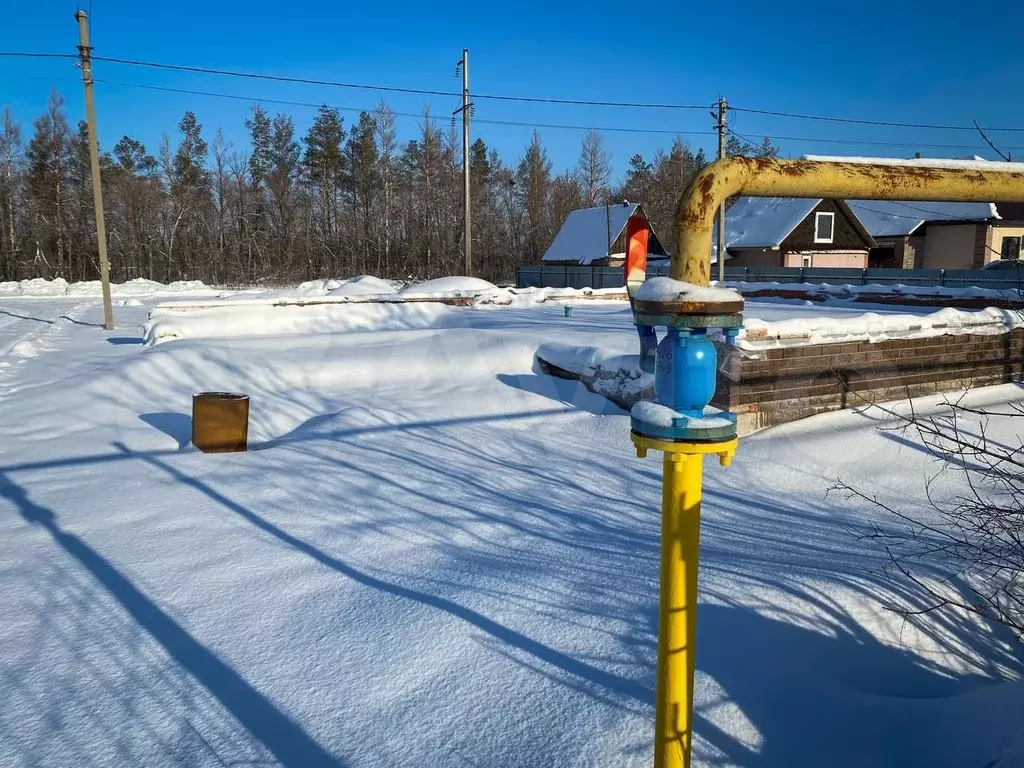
[(684, 378)]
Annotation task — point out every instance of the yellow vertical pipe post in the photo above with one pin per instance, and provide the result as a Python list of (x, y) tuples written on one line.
[(677, 608)]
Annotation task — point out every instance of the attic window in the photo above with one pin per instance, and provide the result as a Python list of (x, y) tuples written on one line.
[(824, 227)]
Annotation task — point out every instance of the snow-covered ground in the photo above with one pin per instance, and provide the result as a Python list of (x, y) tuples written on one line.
[(434, 556)]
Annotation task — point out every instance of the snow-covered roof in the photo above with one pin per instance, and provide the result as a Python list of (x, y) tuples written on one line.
[(974, 163), (892, 218), (584, 237), (898, 218), (763, 222)]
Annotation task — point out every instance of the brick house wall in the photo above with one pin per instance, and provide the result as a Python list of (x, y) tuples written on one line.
[(790, 383)]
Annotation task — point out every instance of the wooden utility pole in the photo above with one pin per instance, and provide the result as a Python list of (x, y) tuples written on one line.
[(84, 54), (465, 161), (723, 106)]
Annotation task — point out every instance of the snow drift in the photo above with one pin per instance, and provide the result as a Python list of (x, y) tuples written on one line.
[(167, 323), (40, 288), (438, 557)]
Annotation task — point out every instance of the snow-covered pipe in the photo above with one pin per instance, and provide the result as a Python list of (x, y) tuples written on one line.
[(854, 178)]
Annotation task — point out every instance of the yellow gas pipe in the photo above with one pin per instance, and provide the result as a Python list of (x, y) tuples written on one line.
[(683, 461), (682, 470), (848, 180)]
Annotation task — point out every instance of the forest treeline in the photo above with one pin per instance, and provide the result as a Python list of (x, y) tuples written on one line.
[(338, 200)]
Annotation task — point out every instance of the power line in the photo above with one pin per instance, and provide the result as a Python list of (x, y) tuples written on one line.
[(939, 214), (46, 78), (529, 99), (285, 102), (883, 213), (391, 89), (863, 121), (508, 98), (866, 143), (942, 217), (26, 55), (275, 78), (911, 207)]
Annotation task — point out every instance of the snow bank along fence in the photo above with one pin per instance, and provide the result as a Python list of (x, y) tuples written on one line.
[(613, 277), (785, 383)]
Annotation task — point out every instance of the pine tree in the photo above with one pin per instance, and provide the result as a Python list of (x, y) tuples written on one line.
[(258, 124), (734, 147), (48, 159), (190, 159), (361, 158), (284, 157), (131, 157), (479, 167), (134, 200), (767, 149), (323, 163), (425, 160), (639, 180), (190, 193), (82, 225), (533, 180)]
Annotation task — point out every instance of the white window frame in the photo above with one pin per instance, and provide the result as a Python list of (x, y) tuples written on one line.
[(807, 262), (832, 229)]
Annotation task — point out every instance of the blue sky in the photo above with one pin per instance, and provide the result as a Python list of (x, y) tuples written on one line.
[(900, 60)]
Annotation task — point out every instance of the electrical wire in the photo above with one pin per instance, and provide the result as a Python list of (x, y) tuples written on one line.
[(513, 123), (911, 207), (942, 216), (45, 78), (390, 89), (754, 140), (882, 213), (863, 121), (535, 99), (507, 98), (26, 55)]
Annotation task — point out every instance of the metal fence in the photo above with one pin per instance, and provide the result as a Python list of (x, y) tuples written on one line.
[(570, 277), (612, 277)]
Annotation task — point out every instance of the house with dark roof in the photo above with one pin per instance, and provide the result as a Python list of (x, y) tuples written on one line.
[(596, 237), (929, 235), (793, 232)]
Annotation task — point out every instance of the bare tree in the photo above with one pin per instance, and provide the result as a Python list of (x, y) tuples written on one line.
[(10, 156), (221, 184), (967, 552), (384, 118), (349, 199), (1004, 155), (594, 169)]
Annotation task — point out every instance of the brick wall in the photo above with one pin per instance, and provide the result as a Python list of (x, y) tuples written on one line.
[(791, 383)]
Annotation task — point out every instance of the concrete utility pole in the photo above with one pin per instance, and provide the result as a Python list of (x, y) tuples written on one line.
[(465, 160), (608, 223), (723, 106), (84, 51)]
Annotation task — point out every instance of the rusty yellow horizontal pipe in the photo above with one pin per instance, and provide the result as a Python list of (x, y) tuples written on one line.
[(765, 177)]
